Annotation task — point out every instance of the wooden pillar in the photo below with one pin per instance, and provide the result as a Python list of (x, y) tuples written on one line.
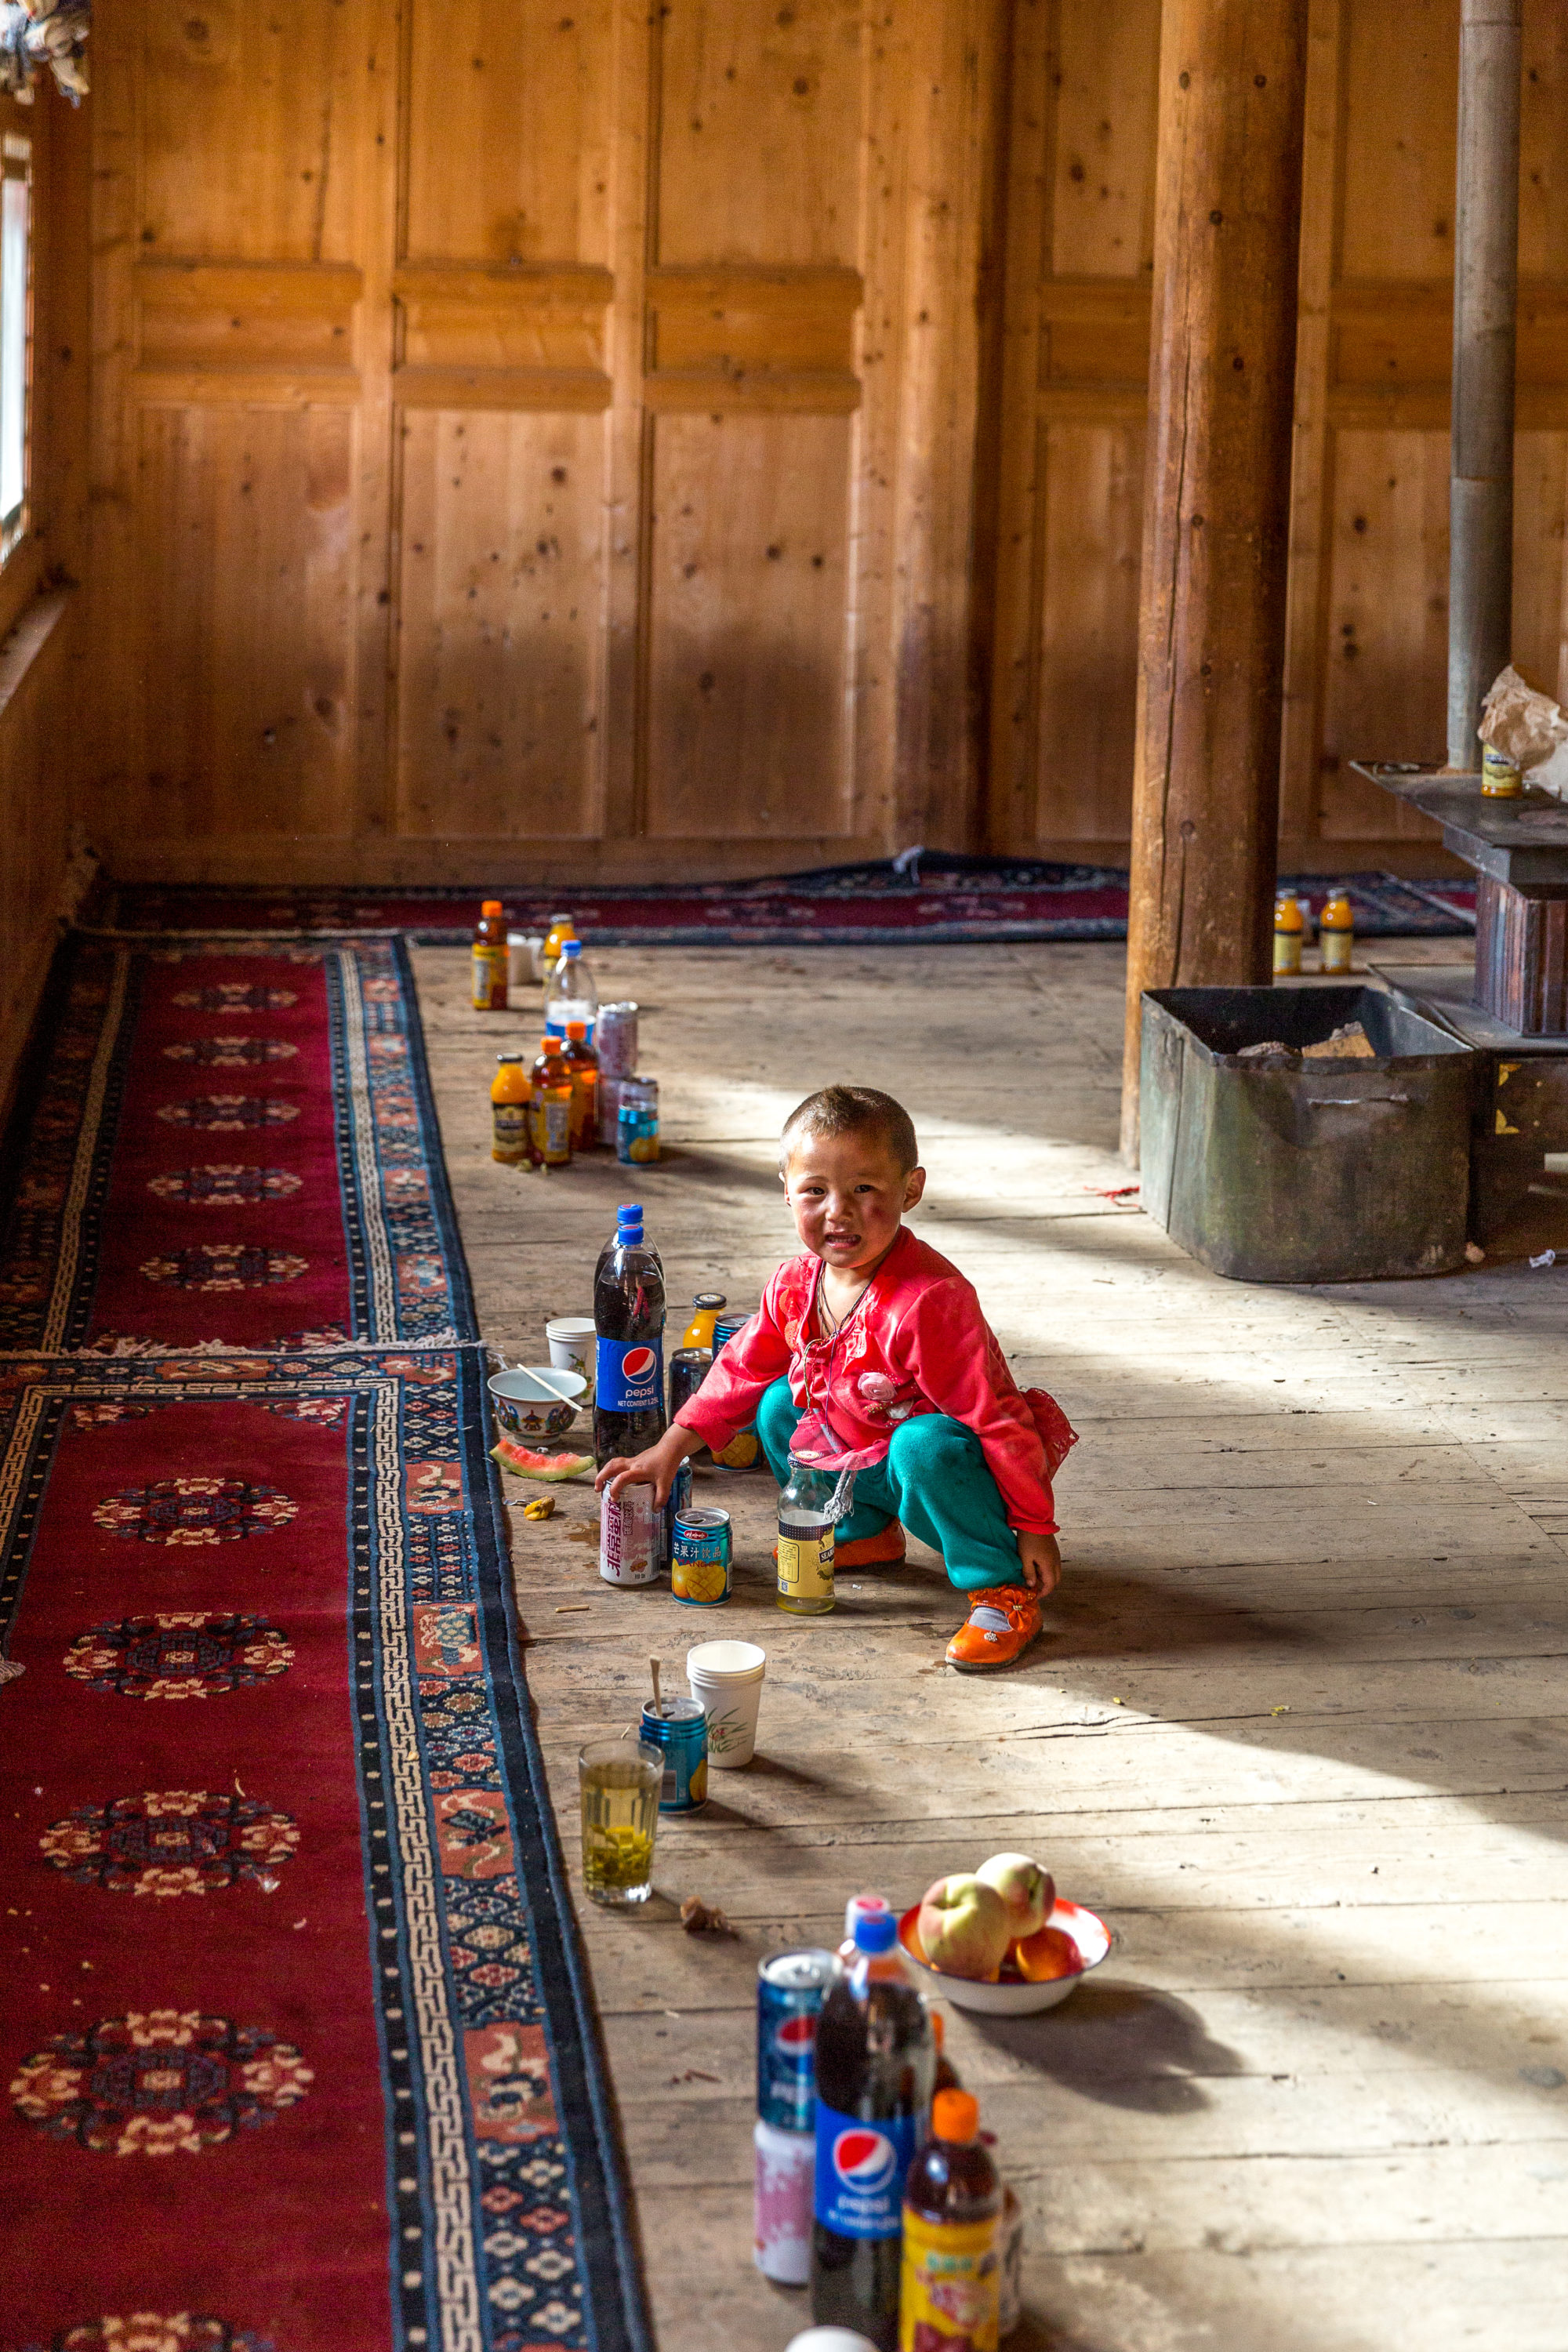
[(1486, 302), (1216, 505)]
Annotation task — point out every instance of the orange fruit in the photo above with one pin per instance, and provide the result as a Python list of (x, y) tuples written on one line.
[(1048, 1953)]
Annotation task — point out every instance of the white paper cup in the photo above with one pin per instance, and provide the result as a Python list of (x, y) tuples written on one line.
[(572, 1350), (726, 1681)]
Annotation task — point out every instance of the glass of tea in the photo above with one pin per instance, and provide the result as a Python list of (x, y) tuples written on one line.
[(619, 1780)]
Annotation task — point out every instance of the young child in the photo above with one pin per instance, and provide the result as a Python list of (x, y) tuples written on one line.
[(871, 1349)]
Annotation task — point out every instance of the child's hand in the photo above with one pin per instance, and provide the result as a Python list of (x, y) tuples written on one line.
[(655, 1467), (1042, 1561)]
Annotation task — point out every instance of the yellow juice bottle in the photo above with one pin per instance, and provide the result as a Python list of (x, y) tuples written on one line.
[(561, 928), (706, 1308), (512, 1091), (1336, 931), (1288, 930)]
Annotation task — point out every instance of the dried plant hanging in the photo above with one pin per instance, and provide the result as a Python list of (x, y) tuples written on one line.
[(39, 33)]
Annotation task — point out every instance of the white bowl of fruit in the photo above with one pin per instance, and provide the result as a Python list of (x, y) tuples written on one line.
[(1000, 1939)]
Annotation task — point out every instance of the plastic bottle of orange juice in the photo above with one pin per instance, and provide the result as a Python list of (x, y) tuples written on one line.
[(706, 1308), (561, 928), (550, 1115), (1288, 929), (490, 958), (1336, 931), (512, 1091)]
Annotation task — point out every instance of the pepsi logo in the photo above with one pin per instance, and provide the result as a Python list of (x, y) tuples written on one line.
[(795, 2035), (864, 2160), (638, 1363)]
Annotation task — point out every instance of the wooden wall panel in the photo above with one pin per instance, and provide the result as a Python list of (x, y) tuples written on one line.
[(748, 634), (1367, 639), (245, 515), (761, 132), (271, 94), (648, 352), (509, 139), (501, 686)]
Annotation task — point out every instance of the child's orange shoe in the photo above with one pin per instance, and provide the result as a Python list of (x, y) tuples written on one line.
[(1003, 1620)]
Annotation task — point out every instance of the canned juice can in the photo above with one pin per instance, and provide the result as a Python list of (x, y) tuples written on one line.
[(629, 1532), (744, 1450), (636, 1121), (615, 1041), (688, 1367), (700, 1558), (791, 1989), (787, 2169), (680, 1727)]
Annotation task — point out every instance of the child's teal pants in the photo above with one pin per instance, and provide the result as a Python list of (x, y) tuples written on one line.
[(933, 1479)]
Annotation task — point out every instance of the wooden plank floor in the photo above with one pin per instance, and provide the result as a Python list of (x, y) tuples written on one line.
[(1298, 1731)]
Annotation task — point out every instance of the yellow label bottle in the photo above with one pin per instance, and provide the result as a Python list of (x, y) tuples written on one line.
[(1288, 928), (951, 2274), (489, 959), (1336, 932), (512, 1091)]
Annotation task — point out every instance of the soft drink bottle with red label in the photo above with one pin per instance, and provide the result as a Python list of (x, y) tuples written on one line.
[(875, 2063), (628, 1318)]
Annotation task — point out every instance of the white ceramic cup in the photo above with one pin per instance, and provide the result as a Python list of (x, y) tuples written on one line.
[(726, 1681), (572, 1350)]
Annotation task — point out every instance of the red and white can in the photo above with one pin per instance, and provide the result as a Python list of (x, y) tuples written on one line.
[(616, 1040), (631, 1537), (786, 2167)]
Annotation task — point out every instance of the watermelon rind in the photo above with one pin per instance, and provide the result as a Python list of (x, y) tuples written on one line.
[(524, 1464)]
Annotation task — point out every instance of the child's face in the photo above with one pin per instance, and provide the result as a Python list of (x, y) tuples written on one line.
[(848, 1196)]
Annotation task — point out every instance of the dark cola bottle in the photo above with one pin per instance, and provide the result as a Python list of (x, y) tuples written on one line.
[(628, 1322), (875, 2063)]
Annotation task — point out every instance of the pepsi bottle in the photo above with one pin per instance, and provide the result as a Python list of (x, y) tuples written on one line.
[(875, 2063), (628, 1321)]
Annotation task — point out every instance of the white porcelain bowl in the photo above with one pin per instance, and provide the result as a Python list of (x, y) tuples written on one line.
[(535, 1400), (1010, 1997)]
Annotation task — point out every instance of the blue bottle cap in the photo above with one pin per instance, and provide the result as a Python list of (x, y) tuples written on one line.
[(875, 1932), (570, 948), (629, 1213)]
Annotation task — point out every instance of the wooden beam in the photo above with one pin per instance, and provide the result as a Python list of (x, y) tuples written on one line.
[(1217, 506), (1486, 300)]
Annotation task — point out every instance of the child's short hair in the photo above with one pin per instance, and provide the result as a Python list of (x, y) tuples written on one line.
[(853, 1111)]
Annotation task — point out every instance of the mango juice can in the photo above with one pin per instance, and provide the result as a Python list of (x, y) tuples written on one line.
[(701, 1556)]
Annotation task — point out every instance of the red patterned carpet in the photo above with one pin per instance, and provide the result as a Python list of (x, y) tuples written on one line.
[(296, 2053)]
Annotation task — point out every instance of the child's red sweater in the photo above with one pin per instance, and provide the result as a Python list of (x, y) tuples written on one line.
[(915, 1341)]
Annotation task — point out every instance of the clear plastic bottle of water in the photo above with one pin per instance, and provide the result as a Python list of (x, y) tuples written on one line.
[(570, 994)]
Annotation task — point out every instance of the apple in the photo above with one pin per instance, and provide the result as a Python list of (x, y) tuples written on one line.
[(1026, 1890), (964, 1927)]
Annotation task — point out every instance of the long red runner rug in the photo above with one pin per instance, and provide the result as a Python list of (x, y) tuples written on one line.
[(296, 2054)]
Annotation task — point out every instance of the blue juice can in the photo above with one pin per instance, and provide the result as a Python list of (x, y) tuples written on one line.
[(700, 1558), (679, 1727), (791, 1989)]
